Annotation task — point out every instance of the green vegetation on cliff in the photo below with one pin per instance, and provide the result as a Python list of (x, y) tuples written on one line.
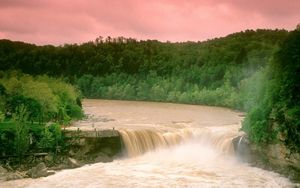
[(276, 114), (27, 104)]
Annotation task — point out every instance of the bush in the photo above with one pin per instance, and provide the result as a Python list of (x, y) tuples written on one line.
[(7, 144), (51, 139), (22, 137), (33, 107)]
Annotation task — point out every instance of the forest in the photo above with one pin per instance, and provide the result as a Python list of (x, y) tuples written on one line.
[(253, 71)]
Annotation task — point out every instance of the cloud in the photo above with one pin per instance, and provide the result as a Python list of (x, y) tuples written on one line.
[(70, 21)]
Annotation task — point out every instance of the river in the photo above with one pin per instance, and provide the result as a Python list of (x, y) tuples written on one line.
[(167, 145)]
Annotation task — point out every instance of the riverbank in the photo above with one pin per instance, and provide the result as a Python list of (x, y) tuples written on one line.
[(86, 147)]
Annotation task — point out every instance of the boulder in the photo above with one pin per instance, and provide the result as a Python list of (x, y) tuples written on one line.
[(242, 148), (14, 176), (73, 163), (39, 171), (50, 172)]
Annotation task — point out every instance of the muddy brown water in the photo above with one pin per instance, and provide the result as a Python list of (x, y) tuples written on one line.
[(168, 145)]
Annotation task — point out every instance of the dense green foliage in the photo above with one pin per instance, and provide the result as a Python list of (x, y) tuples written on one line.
[(45, 99), (238, 71), (277, 112), (286, 98), (203, 62), (27, 104), (156, 88)]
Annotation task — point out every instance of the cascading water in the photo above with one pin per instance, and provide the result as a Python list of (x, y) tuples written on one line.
[(137, 142), (196, 152)]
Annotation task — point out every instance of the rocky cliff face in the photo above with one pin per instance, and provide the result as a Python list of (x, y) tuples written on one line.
[(85, 147), (95, 146), (275, 157)]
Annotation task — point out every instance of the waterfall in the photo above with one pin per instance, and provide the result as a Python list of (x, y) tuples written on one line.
[(137, 142)]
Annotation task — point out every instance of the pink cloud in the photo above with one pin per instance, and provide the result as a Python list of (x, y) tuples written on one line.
[(73, 21)]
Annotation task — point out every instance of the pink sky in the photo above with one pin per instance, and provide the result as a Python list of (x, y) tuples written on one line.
[(75, 21)]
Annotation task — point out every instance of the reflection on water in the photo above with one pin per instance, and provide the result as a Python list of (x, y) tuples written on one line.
[(194, 152)]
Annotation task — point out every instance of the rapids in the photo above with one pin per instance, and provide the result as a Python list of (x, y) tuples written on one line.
[(166, 145)]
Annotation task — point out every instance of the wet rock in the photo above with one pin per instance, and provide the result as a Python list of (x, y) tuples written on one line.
[(59, 167), (39, 171), (41, 167), (73, 163), (14, 176), (242, 148), (50, 172)]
